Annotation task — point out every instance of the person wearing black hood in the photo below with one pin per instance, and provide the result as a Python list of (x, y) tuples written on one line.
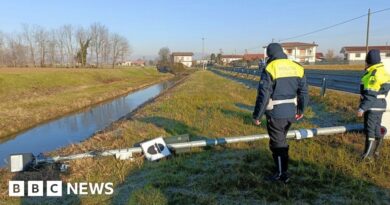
[(374, 87), (282, 96)]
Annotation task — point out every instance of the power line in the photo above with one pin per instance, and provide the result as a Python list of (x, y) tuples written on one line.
[(331, 26), (327, 27)]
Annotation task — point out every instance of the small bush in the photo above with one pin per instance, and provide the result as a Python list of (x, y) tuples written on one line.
[(177, 68), (174, 68)]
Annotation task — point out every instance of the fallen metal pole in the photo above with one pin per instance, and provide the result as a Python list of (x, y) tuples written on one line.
[(20, 162), (297, 134), (114, 152)]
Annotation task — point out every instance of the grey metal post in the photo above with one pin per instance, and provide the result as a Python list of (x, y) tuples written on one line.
[(297, 134), (368, 29), (323, 87)]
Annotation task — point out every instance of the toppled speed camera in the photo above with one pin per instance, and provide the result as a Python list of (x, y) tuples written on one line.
[(20, 162), (155, 149)]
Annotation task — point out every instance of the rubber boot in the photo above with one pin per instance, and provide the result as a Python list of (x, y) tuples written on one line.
[(280, 156), (369, 148), (379, 143)]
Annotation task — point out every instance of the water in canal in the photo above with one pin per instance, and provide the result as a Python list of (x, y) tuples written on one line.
[(79, 126)]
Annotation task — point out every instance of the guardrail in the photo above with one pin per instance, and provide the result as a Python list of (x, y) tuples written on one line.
[(347, 83)]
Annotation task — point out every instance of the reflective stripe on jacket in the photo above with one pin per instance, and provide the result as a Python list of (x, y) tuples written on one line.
[(283, 89), (375, 85)]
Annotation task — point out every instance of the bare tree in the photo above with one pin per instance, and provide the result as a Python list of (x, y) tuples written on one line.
[(17, 52), (120, 48), (28, 34), (2, 48), (213, 57), (151, 62), (52, 47), (106, 52), (329, 55), (115, 41), (125, 49), (60, 45), (41, 39), (99, 36), (69, 42), (163, 54), (84, 39), (11, 56)]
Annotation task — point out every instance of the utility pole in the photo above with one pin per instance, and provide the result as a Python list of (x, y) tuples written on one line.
[(203, 53), (368, 29)]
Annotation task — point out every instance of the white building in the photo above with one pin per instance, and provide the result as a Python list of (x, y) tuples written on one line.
[(358, 53), (125, 63), (226, 59), (201, 62), (182, 57), (299, 52)]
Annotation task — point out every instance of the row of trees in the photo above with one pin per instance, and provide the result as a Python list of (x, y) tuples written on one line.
[(66, 46), (216, 58)]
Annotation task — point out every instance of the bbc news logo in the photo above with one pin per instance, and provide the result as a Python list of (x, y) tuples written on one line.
[(55, 188)]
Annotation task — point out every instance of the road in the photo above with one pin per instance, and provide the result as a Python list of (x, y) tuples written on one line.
[(348, 82)]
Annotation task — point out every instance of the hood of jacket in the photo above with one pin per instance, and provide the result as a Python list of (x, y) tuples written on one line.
[(274, 52), (373, 57)]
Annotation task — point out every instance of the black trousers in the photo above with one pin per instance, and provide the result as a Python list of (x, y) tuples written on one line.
[(277, 130), (372, 124)]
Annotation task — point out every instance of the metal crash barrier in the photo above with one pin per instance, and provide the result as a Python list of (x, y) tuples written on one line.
[(347, 83), (332, 81)]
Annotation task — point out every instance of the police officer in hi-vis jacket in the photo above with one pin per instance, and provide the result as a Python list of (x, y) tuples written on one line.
[(282, 96), (375, 85)]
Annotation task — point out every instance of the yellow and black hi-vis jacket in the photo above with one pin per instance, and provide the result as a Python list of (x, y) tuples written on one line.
[(374, 87), (282, 91)]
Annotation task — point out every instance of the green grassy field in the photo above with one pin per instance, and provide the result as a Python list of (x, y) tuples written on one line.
[(34, 95), (346, 67), (326, 170)]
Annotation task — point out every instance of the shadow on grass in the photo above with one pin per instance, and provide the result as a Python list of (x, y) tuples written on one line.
[(245, 107), (244, 116), (233, 176), (173, 127), (249, 83)]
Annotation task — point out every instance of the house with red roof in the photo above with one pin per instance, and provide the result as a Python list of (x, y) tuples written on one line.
[(358, 53), (320, 56), (226, 59), (253, 56), (138, 62), (300, 52)]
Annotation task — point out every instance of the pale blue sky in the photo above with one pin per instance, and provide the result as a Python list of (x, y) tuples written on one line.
[(226, 24)]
